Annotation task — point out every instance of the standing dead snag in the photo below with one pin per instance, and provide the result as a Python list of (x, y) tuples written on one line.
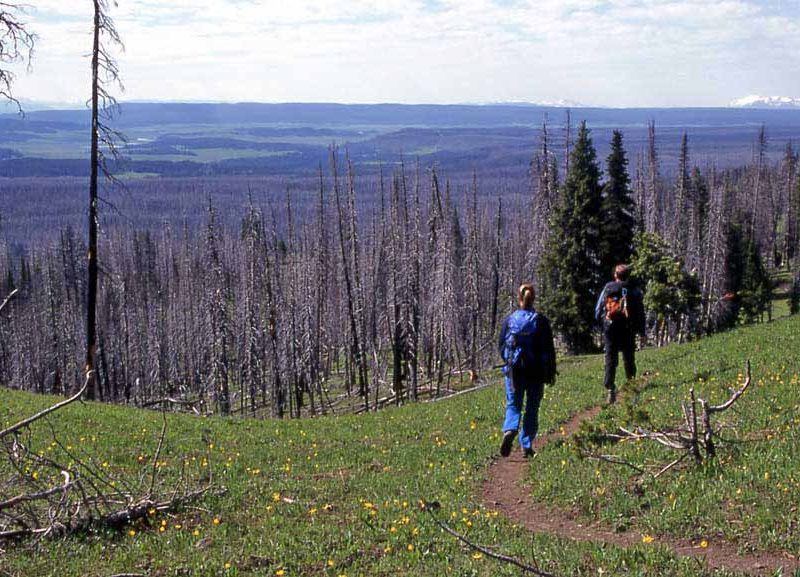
[(104, 72)]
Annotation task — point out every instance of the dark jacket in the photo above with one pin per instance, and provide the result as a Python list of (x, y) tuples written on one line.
[(542, 345), (636, 320)]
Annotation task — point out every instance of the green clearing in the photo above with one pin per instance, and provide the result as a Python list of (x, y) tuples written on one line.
[(338, 495), (73, 144)]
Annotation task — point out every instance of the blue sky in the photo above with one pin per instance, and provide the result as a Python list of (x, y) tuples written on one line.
[(596, 52)]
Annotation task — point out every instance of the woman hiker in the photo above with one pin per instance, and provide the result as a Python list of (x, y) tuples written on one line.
[(526, 346)]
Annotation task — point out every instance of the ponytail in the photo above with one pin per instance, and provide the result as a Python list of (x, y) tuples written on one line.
[(526, 296)]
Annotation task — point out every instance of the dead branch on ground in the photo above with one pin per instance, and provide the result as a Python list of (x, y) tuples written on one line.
[(696, 437), (49, 489), (432, 507)]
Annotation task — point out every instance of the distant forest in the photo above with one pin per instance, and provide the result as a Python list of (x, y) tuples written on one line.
[(349, 291), (292, 140)]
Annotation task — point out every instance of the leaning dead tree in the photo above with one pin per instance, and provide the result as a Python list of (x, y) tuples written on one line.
[(16, 47), (695, 437), (50, 488)]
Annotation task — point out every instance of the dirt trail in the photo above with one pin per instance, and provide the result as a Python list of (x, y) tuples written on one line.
[(504, 491)]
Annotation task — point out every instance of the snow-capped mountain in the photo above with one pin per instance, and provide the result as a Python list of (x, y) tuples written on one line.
[(560, 103), (756, 101)]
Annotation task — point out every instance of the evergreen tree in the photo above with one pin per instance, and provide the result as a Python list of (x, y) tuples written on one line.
[(794, 295), (570, 275), (617, 215), (747, 278), (792, 233), (755, 296), (671, 294)]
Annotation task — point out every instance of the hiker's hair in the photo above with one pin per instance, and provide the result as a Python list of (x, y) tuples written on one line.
[(526, 296), (622, 272)]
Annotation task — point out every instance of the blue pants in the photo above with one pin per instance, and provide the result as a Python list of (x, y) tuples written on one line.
[(532, 393)]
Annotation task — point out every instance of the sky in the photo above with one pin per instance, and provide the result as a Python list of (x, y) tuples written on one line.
[(621, 53)]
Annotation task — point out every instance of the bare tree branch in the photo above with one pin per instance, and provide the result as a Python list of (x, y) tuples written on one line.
[(8, 298), (16, 46), (736, 394), (32, 419), (430, 508)]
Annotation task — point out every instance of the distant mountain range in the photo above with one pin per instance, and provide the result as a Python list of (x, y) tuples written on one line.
[(756, 101)]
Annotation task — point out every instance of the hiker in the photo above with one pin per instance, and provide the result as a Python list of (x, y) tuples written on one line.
[(621, 312), (526, 346)]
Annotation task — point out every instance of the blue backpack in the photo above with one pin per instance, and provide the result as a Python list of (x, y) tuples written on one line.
[(520, 346)]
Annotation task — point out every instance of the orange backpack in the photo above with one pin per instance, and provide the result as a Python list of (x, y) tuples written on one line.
[(617, 307)]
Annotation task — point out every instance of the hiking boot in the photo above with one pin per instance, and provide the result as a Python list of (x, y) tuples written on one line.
[(528, 453), (612, 396), (508, 442)]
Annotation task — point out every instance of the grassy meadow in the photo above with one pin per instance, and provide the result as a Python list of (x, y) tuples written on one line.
[(337, 496)]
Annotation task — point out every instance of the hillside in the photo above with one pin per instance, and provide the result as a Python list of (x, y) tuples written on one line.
[(339, 495)]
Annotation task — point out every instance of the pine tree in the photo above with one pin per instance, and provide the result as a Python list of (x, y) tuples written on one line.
[(570, 275), (618, 210), (747, 277), (756, 291), (794, 295), (671, 294)]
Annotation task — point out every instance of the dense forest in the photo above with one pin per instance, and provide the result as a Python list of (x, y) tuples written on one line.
[(363, 291)]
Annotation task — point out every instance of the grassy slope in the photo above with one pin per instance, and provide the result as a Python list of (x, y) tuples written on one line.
[(337, 496), (750, 494)]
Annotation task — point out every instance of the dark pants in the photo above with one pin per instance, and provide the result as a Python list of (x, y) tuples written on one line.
[(617, 338)]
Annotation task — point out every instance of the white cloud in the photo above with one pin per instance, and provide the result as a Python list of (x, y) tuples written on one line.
[(615, 52)]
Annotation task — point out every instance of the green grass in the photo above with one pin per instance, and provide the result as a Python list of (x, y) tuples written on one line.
[(338, 495), (749, 495), (73, 144)]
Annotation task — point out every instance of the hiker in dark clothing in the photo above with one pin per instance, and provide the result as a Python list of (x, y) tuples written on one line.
[(621, 312), (526, 346)]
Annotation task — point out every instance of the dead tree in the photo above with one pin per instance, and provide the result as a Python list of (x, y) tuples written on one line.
[(679, 230), (695, 437), (715, 256), (653, 208), (217, 304), (66, 491), (16, 47), (640, 192), (358, 286), (789, 206), (399, 277), (544, 176), (473, 283), (357, 355), (567, 140), (105, 72)]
